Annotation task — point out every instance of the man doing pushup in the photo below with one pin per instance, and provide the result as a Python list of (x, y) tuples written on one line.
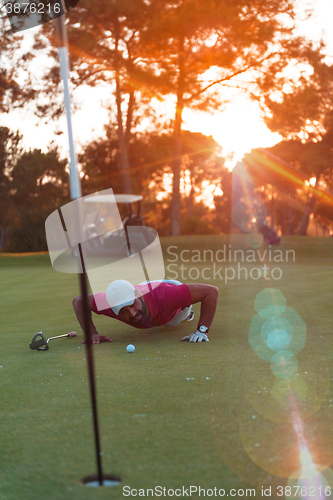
[(152, 304)]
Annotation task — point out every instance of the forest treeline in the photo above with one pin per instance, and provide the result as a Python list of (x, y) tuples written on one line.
[(189, 52)]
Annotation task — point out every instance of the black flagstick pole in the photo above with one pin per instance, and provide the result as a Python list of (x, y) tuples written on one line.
[(75, 193)]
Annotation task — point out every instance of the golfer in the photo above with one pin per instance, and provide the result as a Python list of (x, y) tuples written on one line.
[(152, 304)]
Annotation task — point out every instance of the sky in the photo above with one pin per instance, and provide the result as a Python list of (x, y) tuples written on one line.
[(237, 129)]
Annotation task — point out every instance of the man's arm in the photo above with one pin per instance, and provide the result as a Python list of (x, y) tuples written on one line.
[(79, 311), (207, 295)]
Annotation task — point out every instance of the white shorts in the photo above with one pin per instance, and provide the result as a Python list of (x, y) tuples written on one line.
[(181, 316)]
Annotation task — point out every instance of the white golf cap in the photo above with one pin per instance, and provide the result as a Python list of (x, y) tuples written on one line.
[(119, 294)]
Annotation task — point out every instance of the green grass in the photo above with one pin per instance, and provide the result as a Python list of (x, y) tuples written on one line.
[(171, 414)]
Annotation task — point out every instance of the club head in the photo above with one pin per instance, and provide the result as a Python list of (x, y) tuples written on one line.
[(39, 342)]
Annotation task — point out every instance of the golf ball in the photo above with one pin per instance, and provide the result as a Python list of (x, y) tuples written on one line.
[(130, 348)]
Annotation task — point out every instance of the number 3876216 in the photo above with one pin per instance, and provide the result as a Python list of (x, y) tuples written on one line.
[(32, 8), (304, 491)]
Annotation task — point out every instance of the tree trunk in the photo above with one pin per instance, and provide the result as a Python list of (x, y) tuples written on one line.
[(177, 146), (190, 202), (284, 212), (123, 162), (308, 210), (176, 163), (130, 110), (272, 210), (291, 214)]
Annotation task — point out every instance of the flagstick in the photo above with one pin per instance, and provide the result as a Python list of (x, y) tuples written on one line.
[(75, 193)]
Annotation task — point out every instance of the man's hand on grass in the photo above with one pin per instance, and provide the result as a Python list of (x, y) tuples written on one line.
[(196, 337), (97, 339)]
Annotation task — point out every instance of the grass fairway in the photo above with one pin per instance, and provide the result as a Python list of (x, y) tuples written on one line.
[(171, 414)]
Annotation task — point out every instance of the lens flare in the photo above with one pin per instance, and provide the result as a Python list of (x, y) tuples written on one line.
[(284, 364), (255, 240), (276, 427), (277, 325), (278, 340), (270, 303)]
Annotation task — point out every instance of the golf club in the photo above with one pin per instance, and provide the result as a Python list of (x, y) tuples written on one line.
[(39, 342)]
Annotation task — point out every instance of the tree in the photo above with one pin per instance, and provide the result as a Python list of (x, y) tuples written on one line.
[(302, 114), (199, 164), (315, 160), (99, 166), (201, 168), (147, 154), (15, 90), (295, 175), (104, 46), (223, 202), (166, 47), (9, 153), (9, 87), (244, 40), (38, 186), (303, 109), (151, 167)]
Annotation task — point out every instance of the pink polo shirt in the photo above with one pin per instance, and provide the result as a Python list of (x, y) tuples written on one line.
[(164, 302)]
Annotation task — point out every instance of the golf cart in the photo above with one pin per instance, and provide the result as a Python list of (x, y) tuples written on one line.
[(101, 230)]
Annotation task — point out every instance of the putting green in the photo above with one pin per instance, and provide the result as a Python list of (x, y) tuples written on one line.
[(171, 414)]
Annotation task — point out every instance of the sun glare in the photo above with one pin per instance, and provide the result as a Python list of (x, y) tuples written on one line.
[(238, 129)]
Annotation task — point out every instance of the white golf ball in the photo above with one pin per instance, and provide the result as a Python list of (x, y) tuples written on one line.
[(130, 348)]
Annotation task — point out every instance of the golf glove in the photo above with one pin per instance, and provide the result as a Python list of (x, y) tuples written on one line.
[(196, 337)]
